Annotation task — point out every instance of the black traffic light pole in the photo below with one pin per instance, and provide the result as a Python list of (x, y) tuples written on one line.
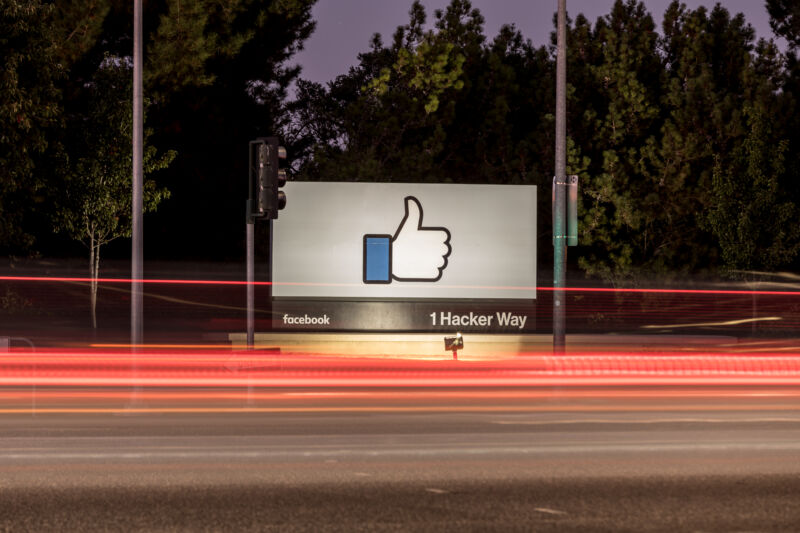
[(250, 222), (264, 201), (251, 320)]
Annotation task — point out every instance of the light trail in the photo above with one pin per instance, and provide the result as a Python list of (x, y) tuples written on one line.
[(736, 322), (241, 394), (191, 380), (126, 346), (397, 380), (217, 305), (737, 292), (399, 409), (174, 361), (130, 280), (193, 365)]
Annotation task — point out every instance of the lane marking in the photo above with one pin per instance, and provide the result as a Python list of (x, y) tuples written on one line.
[(437, 491), (549, 511), (441, 453)]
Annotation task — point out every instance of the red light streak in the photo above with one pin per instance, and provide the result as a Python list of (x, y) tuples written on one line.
[(410, 394), (235, 394), (389, 409), (223, 368), (738, 292), (129, 280), (187, 380), (126, 346)]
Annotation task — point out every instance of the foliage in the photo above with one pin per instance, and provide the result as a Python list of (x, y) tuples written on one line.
[(216, 74), (621, 190), (654, 122), (29, 110), (209, 99), (77, 26), (435, 105), (785, 20), (756, 226), (94, 206), (684, 136)]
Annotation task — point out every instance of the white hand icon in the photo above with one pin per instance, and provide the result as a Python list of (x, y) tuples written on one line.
[(418, 253)]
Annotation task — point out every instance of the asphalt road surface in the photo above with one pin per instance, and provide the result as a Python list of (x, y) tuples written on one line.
[(410, 460)]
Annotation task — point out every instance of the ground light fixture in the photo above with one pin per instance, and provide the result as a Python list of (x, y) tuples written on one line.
[(454, 344)]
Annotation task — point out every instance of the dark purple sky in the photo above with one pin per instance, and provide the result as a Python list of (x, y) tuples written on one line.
[(344, 27)]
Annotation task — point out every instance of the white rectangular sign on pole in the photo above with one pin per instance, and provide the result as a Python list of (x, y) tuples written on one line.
[(399, 241)]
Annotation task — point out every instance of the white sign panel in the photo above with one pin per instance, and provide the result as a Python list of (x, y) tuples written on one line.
[(402, 240)]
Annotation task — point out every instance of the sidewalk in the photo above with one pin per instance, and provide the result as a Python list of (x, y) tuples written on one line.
[(476, 346)]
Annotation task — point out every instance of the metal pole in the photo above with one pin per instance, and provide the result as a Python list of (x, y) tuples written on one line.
[(559, 185), (136, 204), (269, 271), (251, 322)]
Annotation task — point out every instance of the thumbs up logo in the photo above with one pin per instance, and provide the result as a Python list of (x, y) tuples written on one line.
[(413, 253)]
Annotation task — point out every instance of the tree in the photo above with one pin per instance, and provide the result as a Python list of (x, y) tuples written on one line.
[(785, 20), (94, 203), (77, 26), (710, 60), (501, 130), (755, 222), (663, 111), (29, 109), (216, 74), (439, 105), (620, 224), (236, 94)]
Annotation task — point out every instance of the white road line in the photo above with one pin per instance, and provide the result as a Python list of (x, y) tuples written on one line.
[(549, 511), (439, 453)]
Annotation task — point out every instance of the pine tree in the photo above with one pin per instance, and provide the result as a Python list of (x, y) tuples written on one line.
[(620, 226)]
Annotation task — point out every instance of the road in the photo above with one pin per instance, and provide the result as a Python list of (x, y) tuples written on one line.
[(343, 459)]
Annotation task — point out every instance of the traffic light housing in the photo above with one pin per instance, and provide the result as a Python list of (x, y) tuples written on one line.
[(267, 178)]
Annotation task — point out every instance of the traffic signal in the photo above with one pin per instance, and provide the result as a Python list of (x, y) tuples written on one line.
[(265, 157), (277, 177)]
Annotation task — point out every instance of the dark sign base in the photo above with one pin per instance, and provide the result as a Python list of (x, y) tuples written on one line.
[(509, 316)]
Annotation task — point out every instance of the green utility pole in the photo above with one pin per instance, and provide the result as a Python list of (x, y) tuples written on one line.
[(559, 187)]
